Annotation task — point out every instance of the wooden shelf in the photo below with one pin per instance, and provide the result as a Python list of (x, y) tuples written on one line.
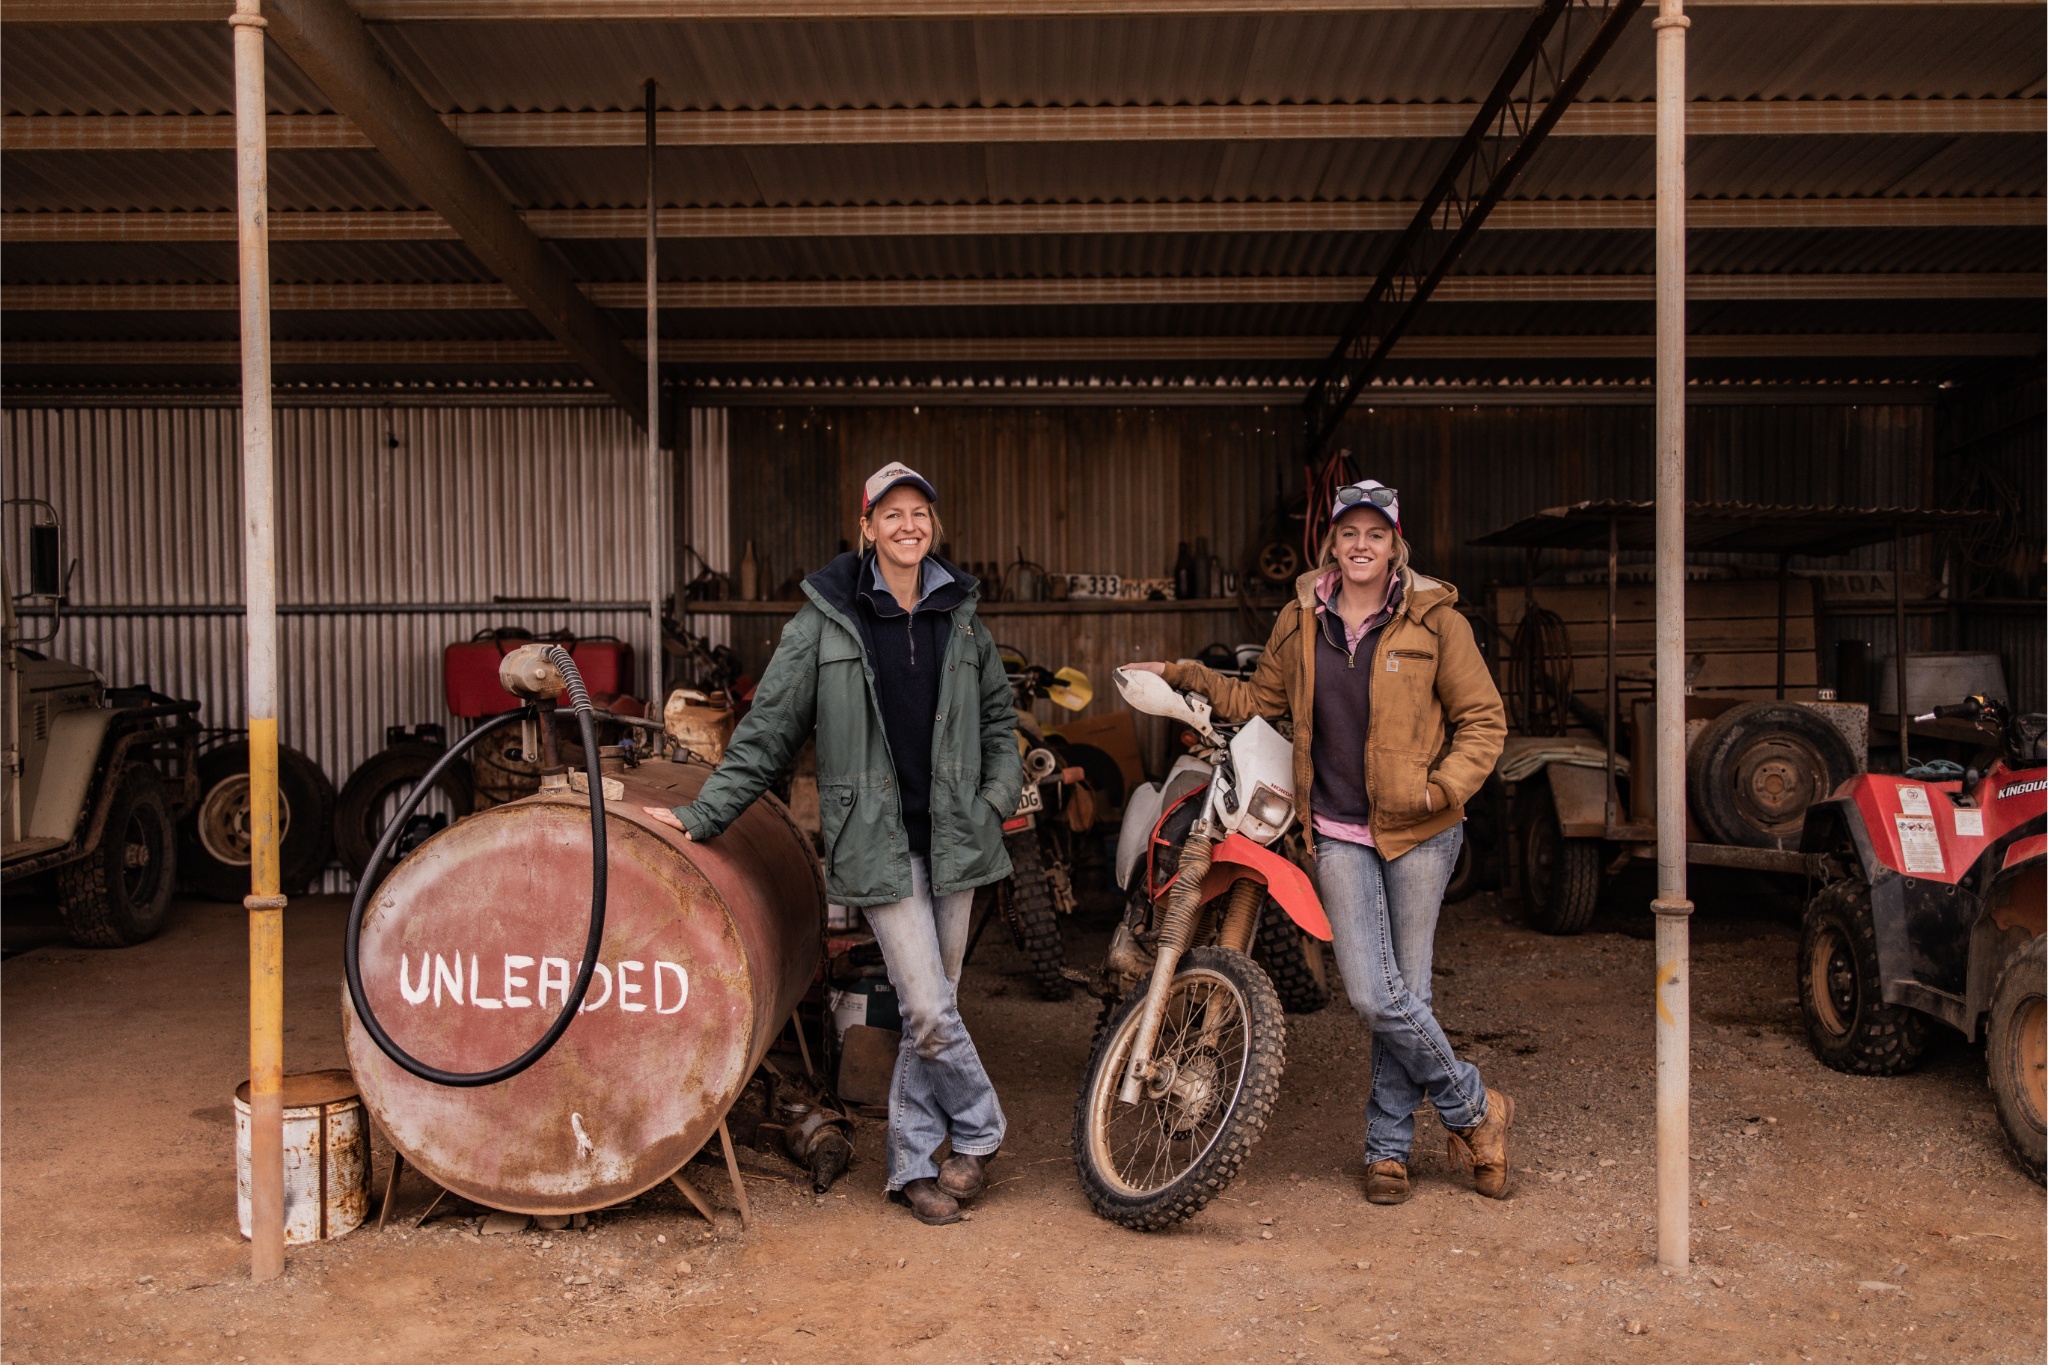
[(1084, 608)]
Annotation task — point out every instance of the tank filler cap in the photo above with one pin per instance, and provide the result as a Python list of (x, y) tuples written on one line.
[(528, 672)]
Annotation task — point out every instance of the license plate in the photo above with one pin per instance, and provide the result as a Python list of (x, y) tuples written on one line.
[(1032, 801)]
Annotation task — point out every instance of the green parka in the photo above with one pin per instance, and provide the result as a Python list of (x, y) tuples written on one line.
[(822, 678)]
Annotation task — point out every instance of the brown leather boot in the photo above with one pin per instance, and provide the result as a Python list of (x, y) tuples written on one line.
[(1386, 1182), (1485, 1149), (965, 1177), (927, 1202)]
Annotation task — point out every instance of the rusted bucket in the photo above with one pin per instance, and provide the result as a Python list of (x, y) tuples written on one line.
[(471, 946), (326, 1156)]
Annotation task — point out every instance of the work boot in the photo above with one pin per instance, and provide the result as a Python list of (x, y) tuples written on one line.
[(1386, 1182), (927, 1202), (1485, 1148), (965, 1177)]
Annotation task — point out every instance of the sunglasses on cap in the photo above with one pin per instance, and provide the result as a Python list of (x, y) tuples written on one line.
[(1352, 494)]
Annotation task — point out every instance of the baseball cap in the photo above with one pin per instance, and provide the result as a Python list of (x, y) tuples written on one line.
[(892, 475), (1368, 493)]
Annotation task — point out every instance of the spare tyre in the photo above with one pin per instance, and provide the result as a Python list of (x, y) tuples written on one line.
[(1757, 767), (214, 843), (374, 791)]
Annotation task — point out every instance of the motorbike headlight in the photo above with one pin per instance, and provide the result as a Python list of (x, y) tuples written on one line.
[(1270, 808)]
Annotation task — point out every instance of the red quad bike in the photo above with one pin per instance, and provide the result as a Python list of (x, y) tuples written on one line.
[(1933, 911)]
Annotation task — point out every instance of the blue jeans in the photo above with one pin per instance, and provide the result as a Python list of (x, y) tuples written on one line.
[(940, 1090), (1383, 929)]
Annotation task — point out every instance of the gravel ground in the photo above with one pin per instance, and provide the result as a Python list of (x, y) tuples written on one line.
[(1835, 1219)]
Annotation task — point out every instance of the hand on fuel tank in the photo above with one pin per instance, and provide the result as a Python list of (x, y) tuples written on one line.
[(662, 815)]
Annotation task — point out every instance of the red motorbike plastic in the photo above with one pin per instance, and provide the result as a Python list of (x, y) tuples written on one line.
[(1287, 883)]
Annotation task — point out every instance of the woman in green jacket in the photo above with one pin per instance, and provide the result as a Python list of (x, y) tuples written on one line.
[(917, 770)]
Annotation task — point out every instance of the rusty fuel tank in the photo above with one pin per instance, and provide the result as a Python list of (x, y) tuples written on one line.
[(471, 946)]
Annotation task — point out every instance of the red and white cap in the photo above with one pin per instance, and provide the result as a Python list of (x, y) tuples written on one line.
[(893, 475)]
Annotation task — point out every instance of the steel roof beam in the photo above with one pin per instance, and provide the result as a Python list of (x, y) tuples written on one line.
[(329, 43), (1555, 58), (659, 11), (1019, 293), (1094, 350), (1113, 123), (979, 220)]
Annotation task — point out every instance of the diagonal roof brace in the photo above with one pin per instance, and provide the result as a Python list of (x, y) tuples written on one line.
[(330, 44), (1548, 69)]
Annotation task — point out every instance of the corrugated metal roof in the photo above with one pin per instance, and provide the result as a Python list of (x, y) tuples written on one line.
[(1754, 52), (1760, 52)]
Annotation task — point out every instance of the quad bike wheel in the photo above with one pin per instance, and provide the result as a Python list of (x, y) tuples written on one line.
[(1561, 876), (1218, 1058), (2016, 1049), (1292, 959), (1848, 1024), (375, 789), (1757, 767), (1033, 918), (117, 896), (214, 851)]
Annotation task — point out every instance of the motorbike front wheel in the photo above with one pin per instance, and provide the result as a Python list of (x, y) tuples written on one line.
[(1217, 1063)]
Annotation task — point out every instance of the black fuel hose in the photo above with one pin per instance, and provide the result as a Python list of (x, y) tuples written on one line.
[(579, 698)]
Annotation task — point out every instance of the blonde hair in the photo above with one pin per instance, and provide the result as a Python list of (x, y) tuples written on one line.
[(1329, 551), (864, 540)]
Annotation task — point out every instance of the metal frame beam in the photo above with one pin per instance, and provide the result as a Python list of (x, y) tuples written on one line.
[(939, 350), (330, 44), (1020, 293), (984, 220), (1552, 63), (103, 12), (1113, 123)]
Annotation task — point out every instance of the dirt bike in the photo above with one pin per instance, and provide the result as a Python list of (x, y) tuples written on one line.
[(1933, 911), (1185, 1071), (1039, 836)]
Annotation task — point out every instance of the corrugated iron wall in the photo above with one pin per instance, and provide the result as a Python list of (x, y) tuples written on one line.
[(1995, 455), (1117, 490), (400, 525)]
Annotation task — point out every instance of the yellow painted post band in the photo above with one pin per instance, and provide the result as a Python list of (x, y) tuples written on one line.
[(264, 872)]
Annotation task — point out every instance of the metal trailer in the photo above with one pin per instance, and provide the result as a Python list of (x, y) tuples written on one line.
[(1559, 867)]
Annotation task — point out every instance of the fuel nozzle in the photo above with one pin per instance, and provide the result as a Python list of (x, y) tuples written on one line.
[(530, 672)]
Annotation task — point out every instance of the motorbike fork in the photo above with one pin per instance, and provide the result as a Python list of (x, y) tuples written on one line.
[(1183, 905)]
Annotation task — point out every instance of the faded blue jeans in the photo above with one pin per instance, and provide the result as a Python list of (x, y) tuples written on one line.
[(939, 1090), (1383, 929)]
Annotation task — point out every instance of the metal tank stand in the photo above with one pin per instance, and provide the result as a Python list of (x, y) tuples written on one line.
[(732, 1171)]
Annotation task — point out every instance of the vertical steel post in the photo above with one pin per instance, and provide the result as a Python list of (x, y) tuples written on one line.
[(1672, 907), (1784, 591), (259, 570), (1904, 708), (655, 508), (1613, 684)]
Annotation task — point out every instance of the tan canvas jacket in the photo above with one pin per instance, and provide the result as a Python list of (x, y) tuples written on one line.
[(1429, 681)]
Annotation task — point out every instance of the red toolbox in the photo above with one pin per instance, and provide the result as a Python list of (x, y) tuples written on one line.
[(469, 671)]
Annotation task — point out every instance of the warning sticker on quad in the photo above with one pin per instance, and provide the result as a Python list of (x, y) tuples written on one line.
[(1919, 845)]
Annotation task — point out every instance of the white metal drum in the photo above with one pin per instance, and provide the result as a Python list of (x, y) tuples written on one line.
[(326, 1156)]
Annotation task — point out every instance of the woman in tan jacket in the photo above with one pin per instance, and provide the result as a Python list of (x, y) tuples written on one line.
[(1375, 667)]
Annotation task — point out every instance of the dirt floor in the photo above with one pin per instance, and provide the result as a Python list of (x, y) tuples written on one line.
[(1836, 1218)]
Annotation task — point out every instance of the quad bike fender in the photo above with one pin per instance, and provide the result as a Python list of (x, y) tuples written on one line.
[(1923, 931), (1285, 882), (2015, 912)]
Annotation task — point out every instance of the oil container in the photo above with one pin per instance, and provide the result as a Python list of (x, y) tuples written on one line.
[(473, 942)]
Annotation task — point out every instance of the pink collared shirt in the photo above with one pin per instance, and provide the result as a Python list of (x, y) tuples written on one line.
[(1326, 587)]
